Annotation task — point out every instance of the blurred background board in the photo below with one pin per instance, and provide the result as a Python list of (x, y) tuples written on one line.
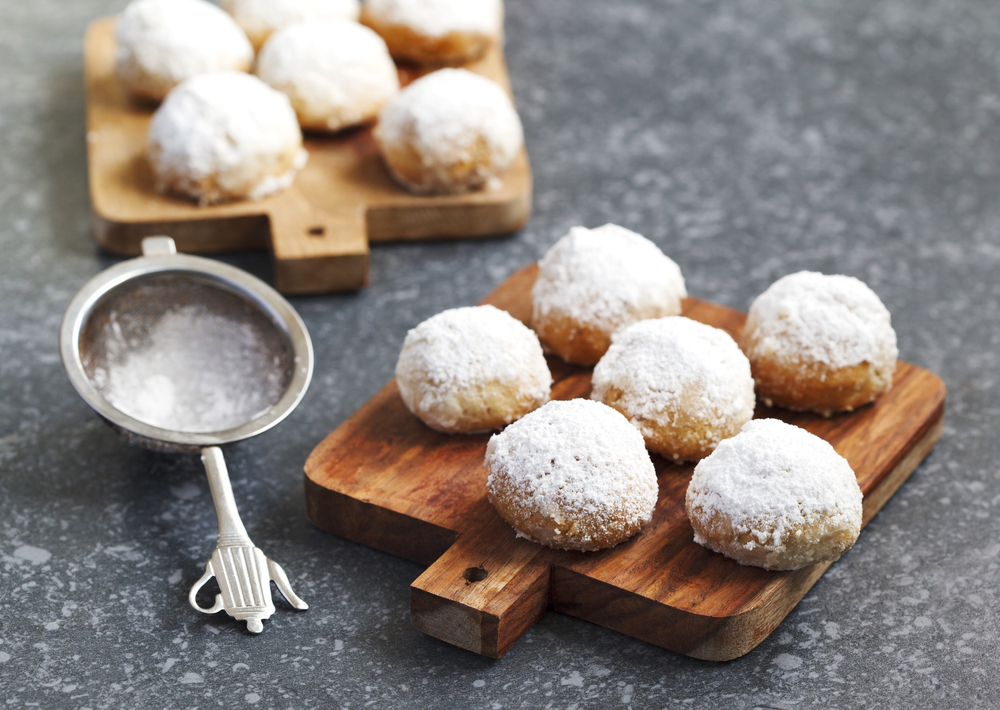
[(318, 229)]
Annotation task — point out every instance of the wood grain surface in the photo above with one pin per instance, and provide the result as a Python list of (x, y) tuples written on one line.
[(318, 229), (386, 480)]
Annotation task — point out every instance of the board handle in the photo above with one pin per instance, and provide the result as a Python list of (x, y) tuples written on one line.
[(316, 251), (486, 591)]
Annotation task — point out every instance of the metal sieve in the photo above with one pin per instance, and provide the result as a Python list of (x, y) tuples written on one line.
[(180, 353)]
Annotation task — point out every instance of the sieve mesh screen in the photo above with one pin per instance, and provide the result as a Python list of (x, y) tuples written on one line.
[(185, 354)]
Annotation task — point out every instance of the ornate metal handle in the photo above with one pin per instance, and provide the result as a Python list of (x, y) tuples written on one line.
[(242, 570)]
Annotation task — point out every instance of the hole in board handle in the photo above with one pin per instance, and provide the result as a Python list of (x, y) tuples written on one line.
[(316, 231), (475, 574)]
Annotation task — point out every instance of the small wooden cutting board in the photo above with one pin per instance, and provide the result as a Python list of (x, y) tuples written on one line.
[(318, 229), (385, 479)]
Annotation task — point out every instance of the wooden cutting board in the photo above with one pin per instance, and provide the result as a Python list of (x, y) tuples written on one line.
[(386, 480), (318, 229)]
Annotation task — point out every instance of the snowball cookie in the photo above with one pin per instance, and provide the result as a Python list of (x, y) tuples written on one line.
[(684, 385), (225, 136), (775, 496), (436, 31), (572, 475), (593, 282), (336, 74), (470, 370), (259, 18), (160, 43), (820, 342), (447, 132)]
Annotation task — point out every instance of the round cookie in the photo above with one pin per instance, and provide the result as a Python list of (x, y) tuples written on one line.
[(436, 31), (572, 475), (224, 136), (336, 74), (593, 282), (775, 496), (160, 43), (259, 18), (448, 132), (819, 342), (473, 369), (684, 385)]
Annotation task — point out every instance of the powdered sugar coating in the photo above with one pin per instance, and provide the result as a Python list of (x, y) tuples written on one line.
[(831, 319), (436, 18), (461, 130), (609, 277), (224, 136), (784, 497), (572, 475), (472, 369), (160, 43), (259, 18), (336, 73), (666, 369)]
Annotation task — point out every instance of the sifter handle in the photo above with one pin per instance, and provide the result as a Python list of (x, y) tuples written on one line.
[(243, 572), (230, 526)]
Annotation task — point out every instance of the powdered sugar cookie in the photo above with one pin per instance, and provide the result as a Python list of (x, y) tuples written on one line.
[(436, 31), (775, 496), (449, 131), (259, 18), (684, 385), (819, 342), (593, 282), (225, 136), (160, 43), (472, 369), (336, 74), (572, 475)]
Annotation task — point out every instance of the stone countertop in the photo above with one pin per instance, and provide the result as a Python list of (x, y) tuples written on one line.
[(749, 140)]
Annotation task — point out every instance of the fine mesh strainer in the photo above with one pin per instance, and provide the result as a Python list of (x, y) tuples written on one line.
[(180, 353)]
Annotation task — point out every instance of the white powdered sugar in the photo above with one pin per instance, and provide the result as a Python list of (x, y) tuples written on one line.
[(230, 130), (259, 18), (578, 464), (436, 18), (609, 277), (160, 43), (457, 354), (812, 317), (786, 492), (667, 365), (447, 116), (336, 73), (194, 371)]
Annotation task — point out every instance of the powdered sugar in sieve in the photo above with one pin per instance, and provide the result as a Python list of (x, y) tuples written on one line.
[(185, 354)]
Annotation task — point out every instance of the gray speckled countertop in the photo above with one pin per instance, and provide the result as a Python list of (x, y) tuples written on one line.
[(748, 139)]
